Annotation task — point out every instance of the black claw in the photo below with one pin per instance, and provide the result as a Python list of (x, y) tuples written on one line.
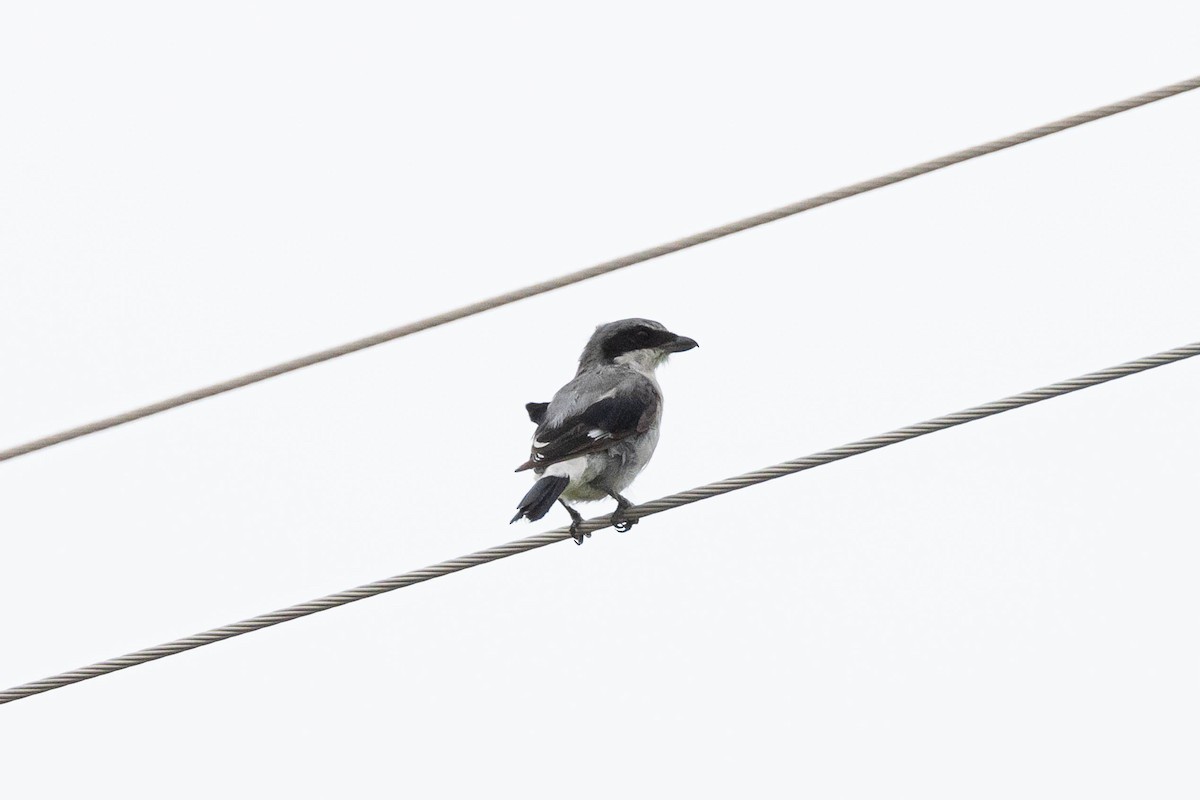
[(576, 521), (621, 524), (618, 520)]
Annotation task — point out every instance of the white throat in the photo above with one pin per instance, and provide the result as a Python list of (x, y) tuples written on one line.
[(644, 361)]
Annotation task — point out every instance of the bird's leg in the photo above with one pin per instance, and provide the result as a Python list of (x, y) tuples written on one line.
[(618, 518), (576, 520)]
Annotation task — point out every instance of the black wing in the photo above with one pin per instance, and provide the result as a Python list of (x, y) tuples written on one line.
[(594, 428)]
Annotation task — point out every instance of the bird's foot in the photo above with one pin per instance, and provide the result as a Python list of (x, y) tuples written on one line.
[(619, 521), (576, 521), (579, 537)]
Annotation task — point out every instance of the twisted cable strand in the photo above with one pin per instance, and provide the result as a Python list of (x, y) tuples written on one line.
[(646, 509), (602, 269)]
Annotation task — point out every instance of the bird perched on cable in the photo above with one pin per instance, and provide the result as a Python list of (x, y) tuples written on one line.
[(600, 429)]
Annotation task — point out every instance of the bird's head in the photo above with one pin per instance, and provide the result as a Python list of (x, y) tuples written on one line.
[(641, 342)]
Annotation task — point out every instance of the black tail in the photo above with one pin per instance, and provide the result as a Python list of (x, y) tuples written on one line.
[(538, 500)]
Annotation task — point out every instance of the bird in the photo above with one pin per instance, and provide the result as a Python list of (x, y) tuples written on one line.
[(601, 428)]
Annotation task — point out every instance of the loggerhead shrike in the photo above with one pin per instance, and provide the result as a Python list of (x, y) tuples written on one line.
[(600, 429)]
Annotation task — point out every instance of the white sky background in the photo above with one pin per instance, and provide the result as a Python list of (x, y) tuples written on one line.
[(189, 192)]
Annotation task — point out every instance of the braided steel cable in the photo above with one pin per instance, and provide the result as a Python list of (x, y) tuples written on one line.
[(637, 512), (602, 269)]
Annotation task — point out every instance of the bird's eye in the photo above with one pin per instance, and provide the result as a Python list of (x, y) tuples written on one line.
[(642, 334)]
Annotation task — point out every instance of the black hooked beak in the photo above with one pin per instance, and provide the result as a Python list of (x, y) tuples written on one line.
[(680, 343)]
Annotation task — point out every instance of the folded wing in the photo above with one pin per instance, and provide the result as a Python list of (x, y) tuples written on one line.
[(595, 426)]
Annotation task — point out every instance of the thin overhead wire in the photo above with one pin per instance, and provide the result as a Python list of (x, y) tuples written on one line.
[(602, 269), (597, 523)]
